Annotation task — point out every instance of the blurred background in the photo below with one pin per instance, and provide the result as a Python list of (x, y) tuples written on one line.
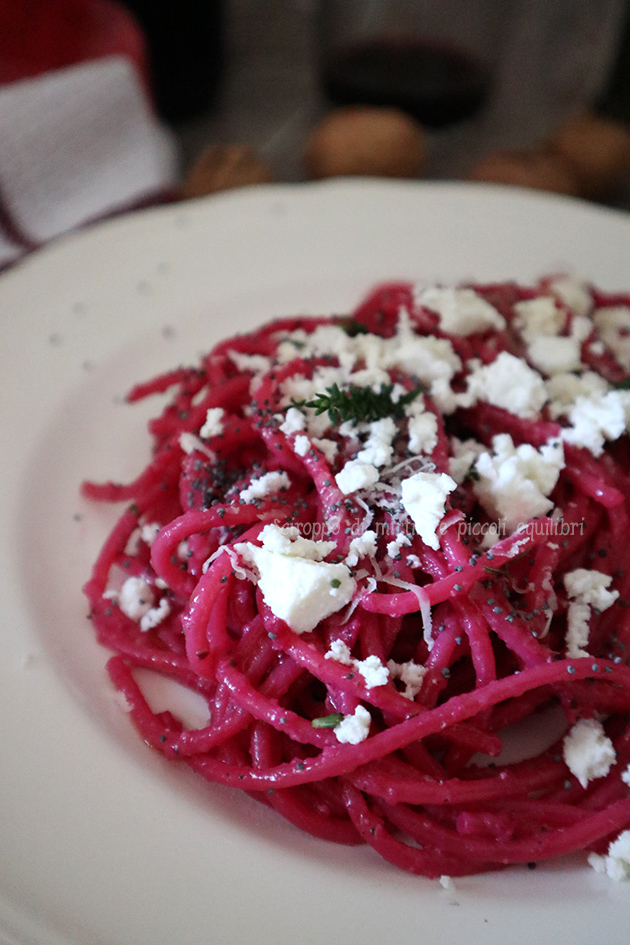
[(106, 106)]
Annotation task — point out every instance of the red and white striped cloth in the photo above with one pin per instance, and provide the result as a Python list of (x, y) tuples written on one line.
[(79, 138)]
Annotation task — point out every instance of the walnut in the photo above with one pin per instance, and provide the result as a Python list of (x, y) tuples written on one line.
[(538, 169), (598, 150), (224, 166), (380, 142)]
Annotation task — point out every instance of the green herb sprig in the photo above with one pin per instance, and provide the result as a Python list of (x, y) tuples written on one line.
[(360, 404), (353, 328), (328, 721)]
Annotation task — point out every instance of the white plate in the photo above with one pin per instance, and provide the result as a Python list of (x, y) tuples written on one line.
[(101, 840)]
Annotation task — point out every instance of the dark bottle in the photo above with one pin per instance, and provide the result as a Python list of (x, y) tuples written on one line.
[(185, 40)]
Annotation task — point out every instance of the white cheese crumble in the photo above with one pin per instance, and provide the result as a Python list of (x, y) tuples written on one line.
[(362, 546), (148, 532), (356, 475), (394, 547), (625, 776), (301, 445), (189, 443), (286, 540), (555, 355), (269, 484), (411, 675), (354, 728), (371, 668), (213, 425), (423, 498), (461, 311), (135, 598), (373, 671), (588, 752), (328, 447), (515, 481), (574, 293), (422, 427), (590, 587), (578, 619), (616, 863), (296, 585), (613, 327), (536, 317), (155, 615), (255, 363), (465, 453), (507, 382), (378, 447), (597, 418), (565, 389), (294, 422)]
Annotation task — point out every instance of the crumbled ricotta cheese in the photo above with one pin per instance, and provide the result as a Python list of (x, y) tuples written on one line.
[(354, 728), (423, 431), (536, 317), (515, 481), (135, 598), (578, 618), (574, 293), (371, 668), (378, 448), (362, 546), (411, 674), (255, 363), (286, 540), (340, 652), (596, 419), (613, 327), (155, 615), (328, 447), (214, 423), (296, 584), (565, 389), (189, 442), (423, 498), (263, 486), (461, 311), (394, 547), (507, 382), (413, 561), (148, 532), (300, 591), (447, 882), (590, 587), (294, 422), (555, 355), (373, 671), (616, 864), (356, 475), (588, 752), (465, 454), (625, 776), (301, 445)]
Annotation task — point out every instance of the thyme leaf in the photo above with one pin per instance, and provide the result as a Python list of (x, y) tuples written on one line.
[(327, 721), (361, 404), (352, 327)]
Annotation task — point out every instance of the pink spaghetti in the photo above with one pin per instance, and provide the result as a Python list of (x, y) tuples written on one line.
[(373, 544)]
